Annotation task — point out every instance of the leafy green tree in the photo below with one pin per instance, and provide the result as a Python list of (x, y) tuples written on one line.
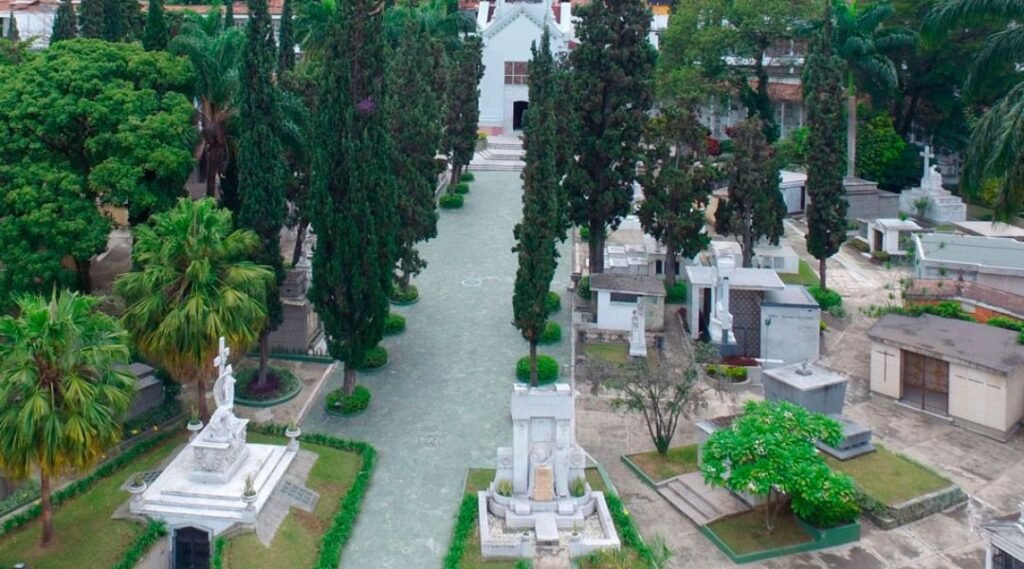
[(994, 149), (826, 208), (123, 138), (543, 211), (754, 208), (414, 121), (193, 283), (352, 197), (12, 27), (65, 24), (463, 104), (91, 19), (722, 46), (769, 451), (64, 389), (157, 35), (862, 42), (286, 40), (215, 55), (792, 150), (261, 161), (677, 182), (612, 76), (880, 147)]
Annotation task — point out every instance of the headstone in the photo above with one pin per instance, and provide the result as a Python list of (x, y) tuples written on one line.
[(930, 200), (637, 336), (721, 320)]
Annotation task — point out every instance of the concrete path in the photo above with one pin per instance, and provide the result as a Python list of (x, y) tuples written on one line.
[(441, 405)]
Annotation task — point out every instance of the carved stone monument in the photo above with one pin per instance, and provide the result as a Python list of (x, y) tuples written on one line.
[(930, 200), (638, 336), (720, 321), (220, 447), (540, 483)]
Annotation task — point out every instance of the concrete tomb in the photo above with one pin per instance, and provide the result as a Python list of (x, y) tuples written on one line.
[(930, 200), (539, 496)]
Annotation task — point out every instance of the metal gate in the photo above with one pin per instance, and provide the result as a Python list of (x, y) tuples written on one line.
[(925, 383)]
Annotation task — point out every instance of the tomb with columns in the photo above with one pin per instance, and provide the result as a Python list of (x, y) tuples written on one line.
[(930, 201), (539, 497)]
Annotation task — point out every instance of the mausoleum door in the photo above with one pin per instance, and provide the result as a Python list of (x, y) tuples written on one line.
[(925, 383), (191, 549)]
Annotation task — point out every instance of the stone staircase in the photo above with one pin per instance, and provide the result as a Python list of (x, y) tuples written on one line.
[(699, 502), (503, 153)]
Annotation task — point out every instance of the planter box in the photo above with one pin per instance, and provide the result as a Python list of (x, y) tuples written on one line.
[(888, 517), (820, 539)]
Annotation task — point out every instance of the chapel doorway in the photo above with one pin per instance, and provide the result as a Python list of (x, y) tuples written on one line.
[(191, 548), (518, 114), (925, 383)]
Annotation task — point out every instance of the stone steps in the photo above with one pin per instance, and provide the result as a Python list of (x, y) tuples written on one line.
[(689, 503)]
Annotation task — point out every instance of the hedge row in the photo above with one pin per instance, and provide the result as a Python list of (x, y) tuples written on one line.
[(217, 561), (154, 532), (460, 535), (337, 536), (82, 484), (627, 531)]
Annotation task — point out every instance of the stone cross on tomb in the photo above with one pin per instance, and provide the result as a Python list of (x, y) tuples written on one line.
[(927, 154), (224, 388)]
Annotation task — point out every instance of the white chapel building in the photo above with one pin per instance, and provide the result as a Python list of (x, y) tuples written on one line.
[(508, 29)]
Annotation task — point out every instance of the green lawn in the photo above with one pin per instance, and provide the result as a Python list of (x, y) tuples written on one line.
[(297, 542), (745, 533), (679, 460), (806, 276), (889, 477), (611, 353), (82, 520)]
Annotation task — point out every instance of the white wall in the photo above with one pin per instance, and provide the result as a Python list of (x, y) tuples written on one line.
[(619, 315), (793, 336), (980, 397), (885, 370)]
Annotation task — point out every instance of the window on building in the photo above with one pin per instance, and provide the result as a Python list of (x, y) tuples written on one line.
[(623, 297), (658, 267), (516, 72), (1002, 560)]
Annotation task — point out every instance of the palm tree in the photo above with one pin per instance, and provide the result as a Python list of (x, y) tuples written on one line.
[(193, 286), (862, 42), (995, 150), (63, 389), (215, 53)]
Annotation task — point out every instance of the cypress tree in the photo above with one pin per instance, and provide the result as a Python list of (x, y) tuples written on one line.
[(677, 182), (352, 197), (12, 28), (262, 205), (229, 14), (463, 104), (157, 36), (65, 24), (286, 49), (113, 20), (91, 19), (823, 99), (543, 212), (133, 23), (755, 207), (414, 116), (612, 75)]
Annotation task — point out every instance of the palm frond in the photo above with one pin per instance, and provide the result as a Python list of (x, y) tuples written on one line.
[(949, 13)]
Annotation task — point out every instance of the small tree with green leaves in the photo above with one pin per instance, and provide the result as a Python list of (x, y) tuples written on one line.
[(755, 207), (769, 451), (65, 24)]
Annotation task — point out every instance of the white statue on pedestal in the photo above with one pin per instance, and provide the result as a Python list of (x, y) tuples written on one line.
[(720, 321), (637, 336)]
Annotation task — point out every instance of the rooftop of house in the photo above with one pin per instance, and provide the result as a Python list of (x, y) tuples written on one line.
[(647, 286), (978, 345), (896, 224), (792, 179), (792, 295), (972, 250), (1007, 533), (990, 229), (739, 278)]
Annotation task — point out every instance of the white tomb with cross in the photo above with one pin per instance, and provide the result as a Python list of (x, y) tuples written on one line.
[(930, 201), (204, 487)]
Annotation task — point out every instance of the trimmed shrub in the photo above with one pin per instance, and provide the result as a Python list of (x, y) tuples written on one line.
[(467, 177), (584, 288), (280, 382), (376, 357), (858, 245), (552, 333), (547, 369), (578, 487), (155, 530), (826, 298), (451, 201), (394, 324), (462, 188), (727, 372), (406, 295), (26, 492), (1006, 323), (880, 257), (554, 302), (460, 535), (676, 293), (338, 402)]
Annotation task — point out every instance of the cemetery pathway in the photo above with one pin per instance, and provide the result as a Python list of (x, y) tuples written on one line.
[(441, 405)]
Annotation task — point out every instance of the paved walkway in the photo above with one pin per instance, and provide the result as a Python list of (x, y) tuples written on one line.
[(441, 404)]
